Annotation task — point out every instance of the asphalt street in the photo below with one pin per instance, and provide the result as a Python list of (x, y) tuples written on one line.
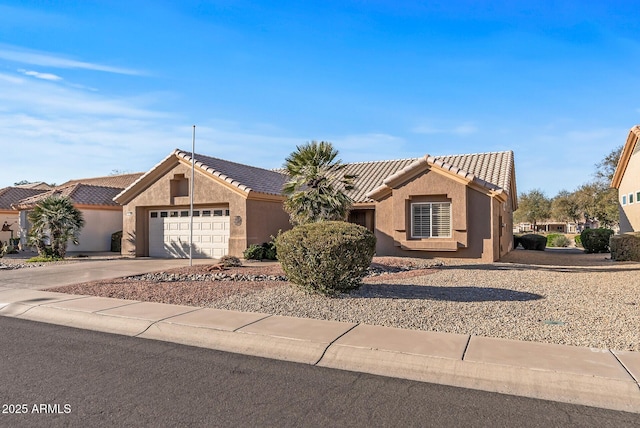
[(59, 376)]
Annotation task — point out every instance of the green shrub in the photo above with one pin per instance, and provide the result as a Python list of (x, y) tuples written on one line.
[(578, 241), (557, 240), (230, 261), (625, 247), (532, 241), (254, 252), (596, 240), (327, 257), (116, 242), (261, 252)]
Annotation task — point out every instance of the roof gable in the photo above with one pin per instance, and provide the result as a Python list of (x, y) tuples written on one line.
[(491, 171), (242, 178), (627, 151)]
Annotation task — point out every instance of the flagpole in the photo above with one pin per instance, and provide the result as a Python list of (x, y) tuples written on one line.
[(193, 170)]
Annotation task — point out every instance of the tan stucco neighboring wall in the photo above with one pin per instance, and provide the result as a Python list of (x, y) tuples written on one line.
[(96, 234), (264, 220), (630, 183), (474, 220), (207, 192)]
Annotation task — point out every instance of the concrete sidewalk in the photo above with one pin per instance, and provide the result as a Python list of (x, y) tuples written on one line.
[(593, 377)]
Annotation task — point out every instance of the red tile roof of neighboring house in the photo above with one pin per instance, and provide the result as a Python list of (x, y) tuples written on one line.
[(11, 195), (120, 181), (80, 194)]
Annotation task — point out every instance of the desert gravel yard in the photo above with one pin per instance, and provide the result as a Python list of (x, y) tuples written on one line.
[(557, 296)]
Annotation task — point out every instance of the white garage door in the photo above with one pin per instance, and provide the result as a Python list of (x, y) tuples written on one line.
[(169, 233)]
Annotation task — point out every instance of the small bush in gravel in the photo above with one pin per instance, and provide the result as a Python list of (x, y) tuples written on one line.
[(230, 261), (557, 240), (625, 247), (532, 241), (596, 240), (327, 257)]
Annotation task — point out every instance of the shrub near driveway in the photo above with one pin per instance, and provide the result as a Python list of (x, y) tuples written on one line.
[(625, 247), (596, 240), (327, 257)]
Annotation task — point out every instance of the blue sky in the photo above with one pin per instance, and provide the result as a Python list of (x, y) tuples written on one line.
[(89, 87)]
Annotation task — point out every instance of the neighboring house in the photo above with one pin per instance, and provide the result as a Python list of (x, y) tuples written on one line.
[(450, 206), (94, 198), (9, 217), (627, 180)]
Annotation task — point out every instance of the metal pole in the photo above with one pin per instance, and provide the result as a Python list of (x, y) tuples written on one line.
[(193, 173)]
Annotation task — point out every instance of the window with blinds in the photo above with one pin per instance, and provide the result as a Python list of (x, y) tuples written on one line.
[(431, 220)]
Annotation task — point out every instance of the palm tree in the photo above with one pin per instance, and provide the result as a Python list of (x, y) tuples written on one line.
[(315, 190), (56, 219)]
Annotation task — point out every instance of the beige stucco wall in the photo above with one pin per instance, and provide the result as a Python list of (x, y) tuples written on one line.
[(630, 183), (265, 219), (473, 222), (207, 192), (96, 234)]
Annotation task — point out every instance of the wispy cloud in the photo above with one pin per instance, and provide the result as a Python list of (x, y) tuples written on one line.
[(463, 129), (38, 75), (45, 59)]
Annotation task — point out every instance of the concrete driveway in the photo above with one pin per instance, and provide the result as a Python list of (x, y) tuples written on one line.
[(86, 270)]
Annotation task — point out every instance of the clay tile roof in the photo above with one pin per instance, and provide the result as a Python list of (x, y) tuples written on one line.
[(11, 195), (247, 178), (370, 175), (119, 181), (492, 170), (81, 194)]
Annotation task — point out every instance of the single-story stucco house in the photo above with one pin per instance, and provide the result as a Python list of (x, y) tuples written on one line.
[(94, 198), (627, 180), (447, 206)]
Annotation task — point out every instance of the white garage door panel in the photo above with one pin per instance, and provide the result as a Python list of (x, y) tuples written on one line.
[(169, 236)]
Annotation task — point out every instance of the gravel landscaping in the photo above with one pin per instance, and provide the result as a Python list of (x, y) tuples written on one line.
[(558, 296)]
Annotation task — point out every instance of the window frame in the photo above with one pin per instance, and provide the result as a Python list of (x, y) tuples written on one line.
[(413, 205)]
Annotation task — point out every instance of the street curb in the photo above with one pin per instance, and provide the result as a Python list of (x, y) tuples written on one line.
[(599, 378)]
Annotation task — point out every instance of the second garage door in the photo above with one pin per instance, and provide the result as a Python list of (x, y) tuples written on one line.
[(169, 233)]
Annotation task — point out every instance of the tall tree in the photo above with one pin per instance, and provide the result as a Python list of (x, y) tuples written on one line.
[(533, 207), (607, 166), (599, 202), (315, 190), (566, 207), (55, 219)]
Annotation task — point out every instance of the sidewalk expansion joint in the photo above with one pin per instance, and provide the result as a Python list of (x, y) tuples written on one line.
[(163, 319), (625, 368), (252, 322), (464, 353), (331, 343)]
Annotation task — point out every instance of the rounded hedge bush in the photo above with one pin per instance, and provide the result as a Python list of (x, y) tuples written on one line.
[(327, 257), (596, 240), (532, 241)]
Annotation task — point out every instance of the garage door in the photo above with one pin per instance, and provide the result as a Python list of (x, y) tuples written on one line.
[(169, 233)]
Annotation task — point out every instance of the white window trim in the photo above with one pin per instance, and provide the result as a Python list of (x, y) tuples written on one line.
[(624, 200), (631, 198), (413, 235)]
